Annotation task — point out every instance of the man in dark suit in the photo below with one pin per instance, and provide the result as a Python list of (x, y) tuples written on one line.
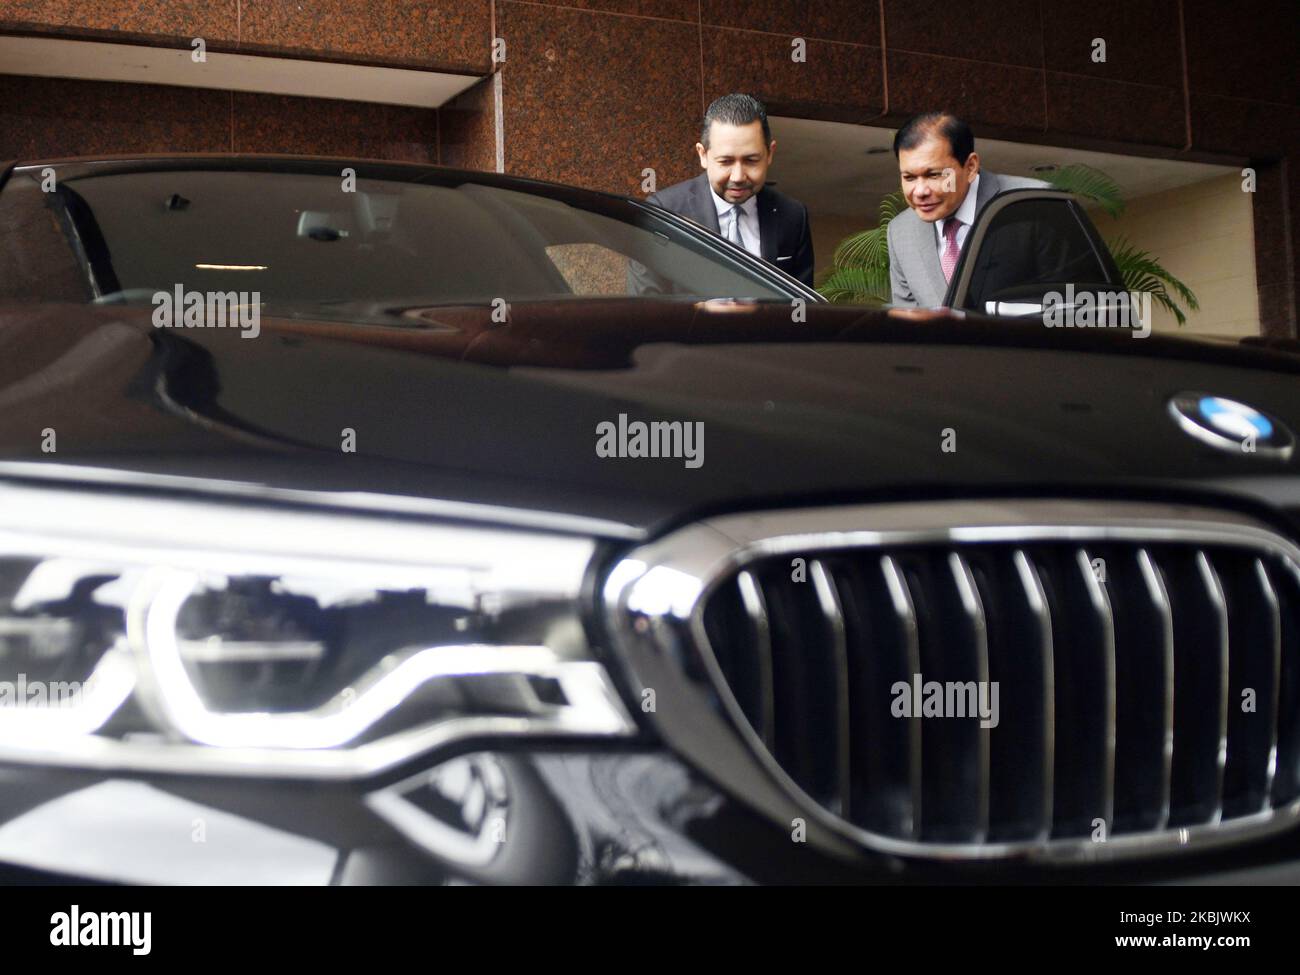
[(731, 197), (945, 190)]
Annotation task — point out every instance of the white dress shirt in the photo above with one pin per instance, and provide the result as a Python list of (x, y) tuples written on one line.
[(748, 221), (965, 213)]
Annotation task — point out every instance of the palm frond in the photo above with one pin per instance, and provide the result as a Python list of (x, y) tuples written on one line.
[(870, 247), (891, 205), (856, 285), (1142, 273), (865, 248), (1091, 184)]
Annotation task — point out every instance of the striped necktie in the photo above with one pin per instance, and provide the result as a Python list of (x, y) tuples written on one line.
[(733, 229)]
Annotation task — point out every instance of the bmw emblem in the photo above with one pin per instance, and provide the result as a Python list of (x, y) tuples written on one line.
[(1230, 425)]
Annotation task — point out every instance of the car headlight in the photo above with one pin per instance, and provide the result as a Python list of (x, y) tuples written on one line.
[(167, 634)]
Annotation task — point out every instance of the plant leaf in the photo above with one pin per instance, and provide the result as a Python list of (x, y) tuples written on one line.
[(856, 285), (891, 205), (1141, 272), (866, 247), (869, 248), (1091, 184)]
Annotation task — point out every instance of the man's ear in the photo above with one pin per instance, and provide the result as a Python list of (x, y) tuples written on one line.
[(703, 154), (771, 150), (972, 166)]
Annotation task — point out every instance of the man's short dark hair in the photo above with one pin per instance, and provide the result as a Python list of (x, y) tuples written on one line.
[(944, 124), (735, 109)]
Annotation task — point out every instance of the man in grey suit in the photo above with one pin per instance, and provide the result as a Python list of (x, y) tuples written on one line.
[(731, 196), (944, 189)]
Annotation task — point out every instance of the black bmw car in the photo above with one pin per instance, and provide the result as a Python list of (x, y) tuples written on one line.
[(377, 523)]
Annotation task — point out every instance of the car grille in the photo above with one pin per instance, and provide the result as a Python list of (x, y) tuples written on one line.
[(1084, 684), (1121, 672)]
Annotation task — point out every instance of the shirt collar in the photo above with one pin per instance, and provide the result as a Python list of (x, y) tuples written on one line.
[(750, 206), (966, 212)]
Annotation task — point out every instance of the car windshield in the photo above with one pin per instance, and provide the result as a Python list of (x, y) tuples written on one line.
[(352, 247)]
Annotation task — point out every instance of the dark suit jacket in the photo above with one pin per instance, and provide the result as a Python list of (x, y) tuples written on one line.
[(784, 237)]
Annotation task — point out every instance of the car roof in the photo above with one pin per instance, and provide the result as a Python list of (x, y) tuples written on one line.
[(104, 164)]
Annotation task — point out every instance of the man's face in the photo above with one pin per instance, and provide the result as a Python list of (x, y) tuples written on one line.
[(736, 160), (934, 182)]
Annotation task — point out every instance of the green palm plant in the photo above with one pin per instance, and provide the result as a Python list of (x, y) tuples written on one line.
[(1144, 274), (1140, 271), (1088, 183), (860, 268)]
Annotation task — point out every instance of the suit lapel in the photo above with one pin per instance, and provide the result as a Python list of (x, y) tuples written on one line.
[(932, 286), (768, 226), (989, 186), (705, 213)]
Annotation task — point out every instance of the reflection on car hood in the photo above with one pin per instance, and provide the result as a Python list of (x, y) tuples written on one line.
[(801, 405)]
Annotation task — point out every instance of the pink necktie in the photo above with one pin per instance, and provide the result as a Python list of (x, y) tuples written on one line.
[(950, 251)]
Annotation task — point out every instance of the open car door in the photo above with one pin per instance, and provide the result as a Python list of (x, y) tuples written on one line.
[(1031, 252)]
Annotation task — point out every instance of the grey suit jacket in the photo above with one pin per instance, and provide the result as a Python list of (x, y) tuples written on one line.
[(915, 275), (784, 237)]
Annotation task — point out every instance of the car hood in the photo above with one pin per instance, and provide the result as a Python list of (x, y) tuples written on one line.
[(451, 409)]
